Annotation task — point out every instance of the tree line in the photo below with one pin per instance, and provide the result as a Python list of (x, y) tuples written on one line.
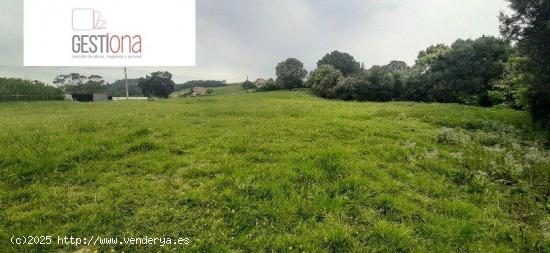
[(464, 72), (486, 71), (468, 72), (75, 83), (156, 84), (13, 89), (201, 83)]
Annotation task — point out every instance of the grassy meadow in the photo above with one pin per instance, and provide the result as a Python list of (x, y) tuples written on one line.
[(276, 172)]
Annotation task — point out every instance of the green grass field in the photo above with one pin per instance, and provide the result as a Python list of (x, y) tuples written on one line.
[(277, 171)]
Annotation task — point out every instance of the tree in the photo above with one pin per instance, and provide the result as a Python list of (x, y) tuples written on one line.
[(512, 87), (77, 83), (396, 67), (341, 61), (377, 85), (248, 85), (465, 72), (416, 86), (419, 83), (290, 73), (347, 87), (67, 82), (426, 57), (323, 80), (118, 88), (270, 85), (12, 88), (529, 26), (157, 84), (95, 84)]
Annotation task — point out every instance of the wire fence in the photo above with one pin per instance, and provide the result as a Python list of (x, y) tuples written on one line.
[(23, 97)]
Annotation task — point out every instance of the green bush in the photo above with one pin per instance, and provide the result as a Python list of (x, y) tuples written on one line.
[(290, 73), (463, 73), (452, 137), (528, 25), (341, 61), (158, 84), (269, 86), (18, 89), (376, 85), (496, 97), (248, 85), (323, 80), (345, 89)]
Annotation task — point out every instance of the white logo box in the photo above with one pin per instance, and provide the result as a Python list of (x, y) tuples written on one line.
[(87, 20), (166, 29)]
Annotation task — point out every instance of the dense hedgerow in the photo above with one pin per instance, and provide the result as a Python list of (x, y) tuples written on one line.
[(324, 80), (248, 85), (201, 83), (467, 73), (270, 85), (487, 71), (12, 88)]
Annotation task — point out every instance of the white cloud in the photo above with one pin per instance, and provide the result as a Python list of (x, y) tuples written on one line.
[(249, 37)]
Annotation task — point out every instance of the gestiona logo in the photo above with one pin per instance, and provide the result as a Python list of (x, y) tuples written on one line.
[(92, 39), (109, 33)]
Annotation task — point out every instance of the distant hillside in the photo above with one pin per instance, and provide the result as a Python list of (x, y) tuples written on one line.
[(118, 89)]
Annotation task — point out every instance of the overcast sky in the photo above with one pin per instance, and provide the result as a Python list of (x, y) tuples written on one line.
[(239, 38)]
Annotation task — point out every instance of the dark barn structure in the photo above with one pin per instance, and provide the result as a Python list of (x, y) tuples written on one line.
[(90, 97)]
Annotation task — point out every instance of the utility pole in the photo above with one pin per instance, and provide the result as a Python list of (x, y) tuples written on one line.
[(126, 84)]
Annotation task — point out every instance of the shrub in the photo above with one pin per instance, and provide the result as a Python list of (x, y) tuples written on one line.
[(345, 89), (248, 85), (201, 83), (12, 88), (269, 86), (514, 83), (452, 136), (323, 80), (496, 97), (376, 85), (464, 99), (466, 70), (157, 84), (415, 87)]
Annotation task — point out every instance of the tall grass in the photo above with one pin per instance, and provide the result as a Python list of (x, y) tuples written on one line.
[(276, 171)]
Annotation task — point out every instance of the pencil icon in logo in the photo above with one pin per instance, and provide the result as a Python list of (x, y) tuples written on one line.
[(87, 20)]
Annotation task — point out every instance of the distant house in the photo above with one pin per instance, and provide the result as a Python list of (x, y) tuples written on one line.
[(89, 97), (199, 91), (260, 82)]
